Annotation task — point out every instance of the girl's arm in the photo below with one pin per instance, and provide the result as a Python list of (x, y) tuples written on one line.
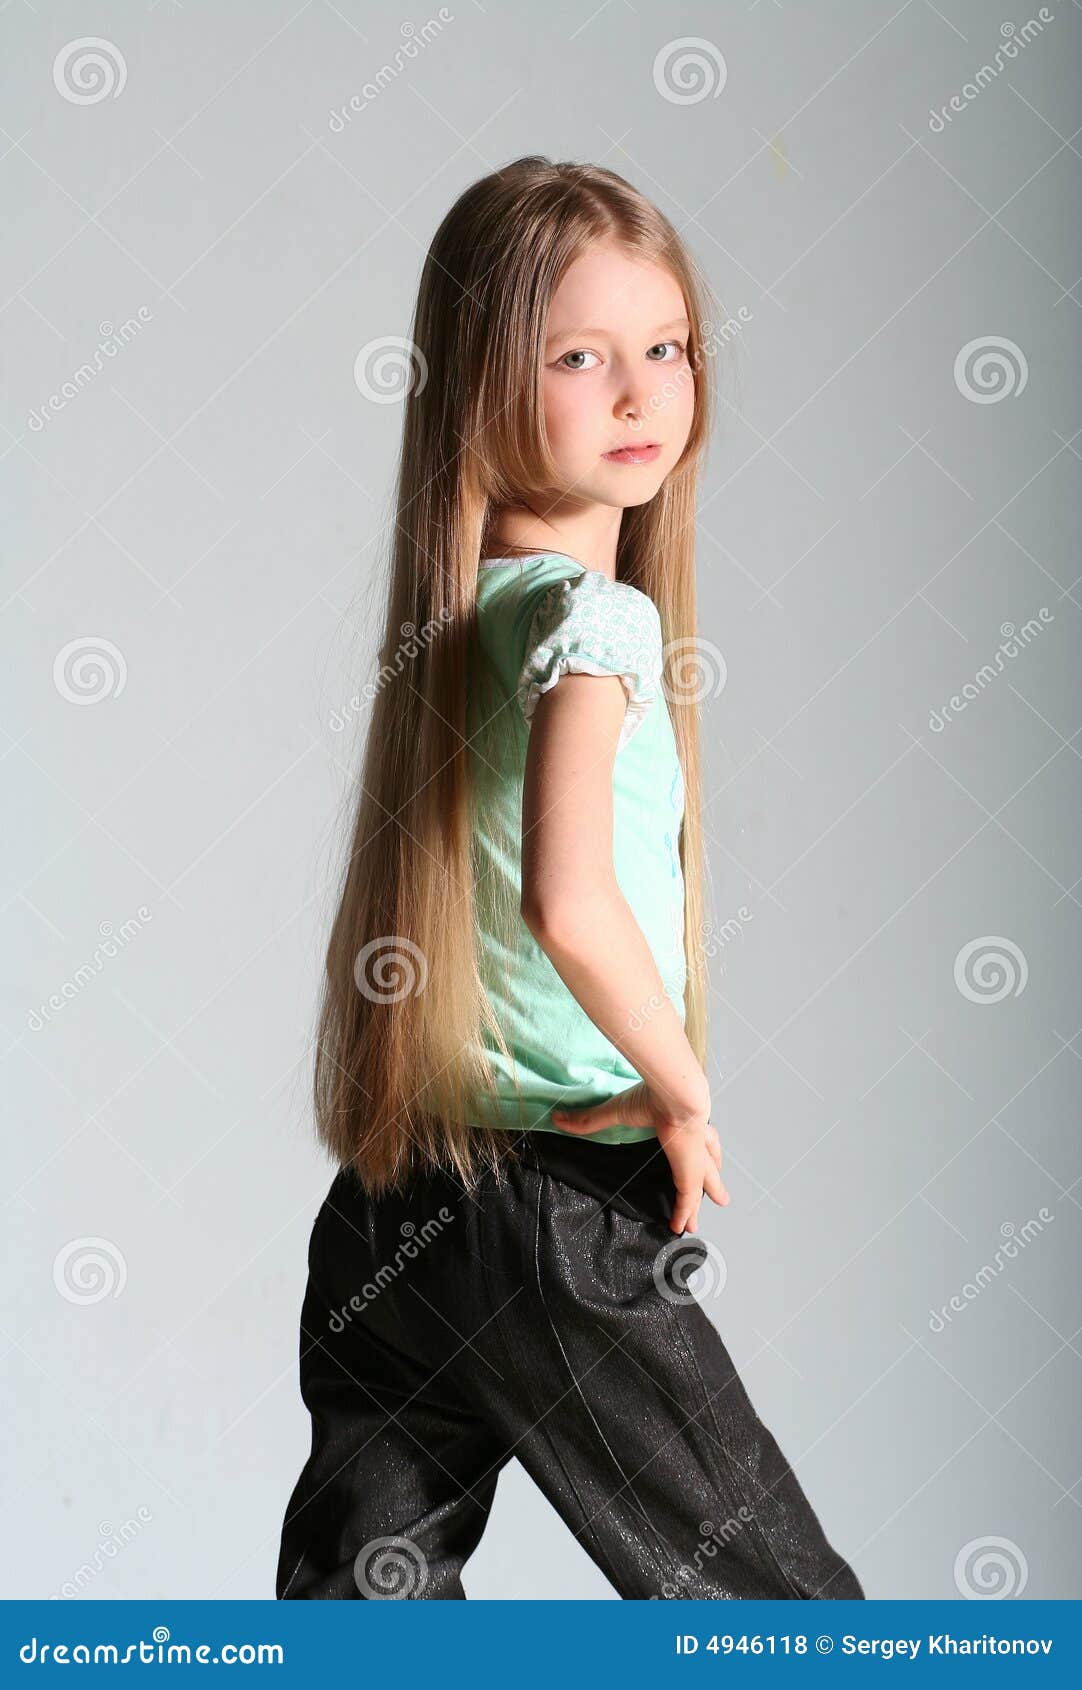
[(573, 906)]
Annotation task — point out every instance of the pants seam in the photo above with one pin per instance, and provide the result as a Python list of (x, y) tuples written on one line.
[(734, 1477), (546, 1182)]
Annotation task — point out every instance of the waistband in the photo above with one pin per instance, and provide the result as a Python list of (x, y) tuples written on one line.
[(634, 1178)]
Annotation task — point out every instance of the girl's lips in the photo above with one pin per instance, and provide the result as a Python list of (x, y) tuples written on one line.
[(633, 455)]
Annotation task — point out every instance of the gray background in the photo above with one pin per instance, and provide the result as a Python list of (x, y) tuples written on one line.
[(214, 503)]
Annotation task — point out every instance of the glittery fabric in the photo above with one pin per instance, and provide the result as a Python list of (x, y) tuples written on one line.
[(546, 1318)]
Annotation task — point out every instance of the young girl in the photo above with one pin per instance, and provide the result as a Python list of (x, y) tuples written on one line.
[(511, 1045)]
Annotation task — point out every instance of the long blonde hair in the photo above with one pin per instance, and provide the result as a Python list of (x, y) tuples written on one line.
[(401, 1071)]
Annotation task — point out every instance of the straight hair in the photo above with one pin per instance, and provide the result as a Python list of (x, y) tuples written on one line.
[(403, 1081)]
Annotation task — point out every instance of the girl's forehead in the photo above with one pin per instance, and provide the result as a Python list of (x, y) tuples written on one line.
[(604, 286)]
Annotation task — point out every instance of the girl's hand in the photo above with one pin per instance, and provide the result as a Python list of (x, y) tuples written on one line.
[(690, 1143)]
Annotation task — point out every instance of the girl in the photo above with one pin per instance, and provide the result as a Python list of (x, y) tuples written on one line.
[(510, 1055)]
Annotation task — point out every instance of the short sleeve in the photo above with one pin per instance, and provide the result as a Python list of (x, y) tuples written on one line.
[(591, 625)]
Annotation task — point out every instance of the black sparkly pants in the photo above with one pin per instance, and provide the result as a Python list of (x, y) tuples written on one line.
[(547, 1318)]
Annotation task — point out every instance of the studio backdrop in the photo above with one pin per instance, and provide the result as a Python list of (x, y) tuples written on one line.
[(215, 221)]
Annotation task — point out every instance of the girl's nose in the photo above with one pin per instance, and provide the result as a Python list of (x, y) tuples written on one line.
[(638, 397), (634, 403)]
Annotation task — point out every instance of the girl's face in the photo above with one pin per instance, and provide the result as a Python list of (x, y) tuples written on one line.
[(616, 374)]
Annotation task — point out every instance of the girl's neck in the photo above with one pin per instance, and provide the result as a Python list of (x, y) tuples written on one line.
[(589, 535)]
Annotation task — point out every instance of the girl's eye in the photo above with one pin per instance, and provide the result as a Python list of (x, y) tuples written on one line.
[(678, 346), (578, 354), (662, 344)]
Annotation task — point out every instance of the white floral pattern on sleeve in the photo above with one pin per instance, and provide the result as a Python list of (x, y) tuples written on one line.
[(590, 625)]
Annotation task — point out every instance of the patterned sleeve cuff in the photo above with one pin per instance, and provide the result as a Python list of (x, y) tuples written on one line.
[(590, 625)]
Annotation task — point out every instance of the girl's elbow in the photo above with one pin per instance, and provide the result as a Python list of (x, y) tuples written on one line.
[(565, 919)]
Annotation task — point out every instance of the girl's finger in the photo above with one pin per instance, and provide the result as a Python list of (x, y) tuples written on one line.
[(582, 1120), (628, 1108), (714, 1186), (687, 1194), (713, 1144)]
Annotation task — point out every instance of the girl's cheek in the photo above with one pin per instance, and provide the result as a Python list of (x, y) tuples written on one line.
[(675, 394), (569, 426), (562, 406)]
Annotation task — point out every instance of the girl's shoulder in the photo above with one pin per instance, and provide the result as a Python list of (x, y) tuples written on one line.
[(555, 584), (547, 615), (589, 602)]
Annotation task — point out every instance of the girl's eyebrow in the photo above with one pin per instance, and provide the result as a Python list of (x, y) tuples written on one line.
[(565, 334)]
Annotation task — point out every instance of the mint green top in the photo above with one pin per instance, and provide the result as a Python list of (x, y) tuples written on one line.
[(539, 618)]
